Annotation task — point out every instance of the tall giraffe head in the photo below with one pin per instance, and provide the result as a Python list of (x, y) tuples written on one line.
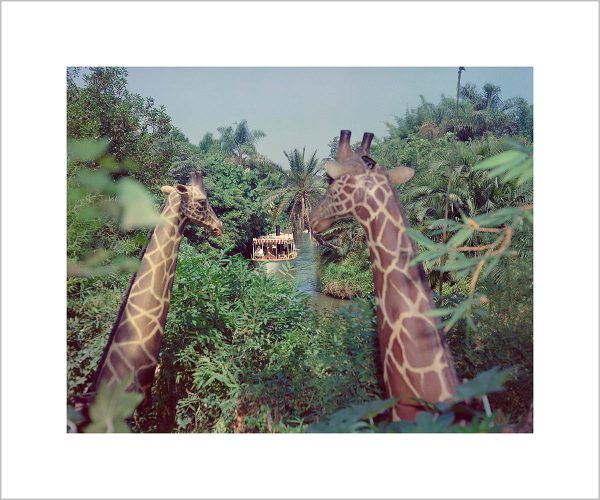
[(194, 203), (357, 184)]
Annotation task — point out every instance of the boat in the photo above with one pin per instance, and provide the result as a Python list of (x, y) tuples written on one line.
[(274, 247)]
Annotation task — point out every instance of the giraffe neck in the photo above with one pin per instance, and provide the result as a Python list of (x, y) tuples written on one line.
[(134, 343), (415, 360)]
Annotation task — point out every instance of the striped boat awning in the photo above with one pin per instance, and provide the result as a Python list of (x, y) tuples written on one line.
[(271, 241)]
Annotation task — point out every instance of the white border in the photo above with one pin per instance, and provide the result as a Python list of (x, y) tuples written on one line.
[(559, 39)]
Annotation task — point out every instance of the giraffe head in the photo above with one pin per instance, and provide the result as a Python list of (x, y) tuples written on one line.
[(357, 184), (194, 203)]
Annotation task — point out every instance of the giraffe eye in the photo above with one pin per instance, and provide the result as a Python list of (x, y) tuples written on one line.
[(329, 180)]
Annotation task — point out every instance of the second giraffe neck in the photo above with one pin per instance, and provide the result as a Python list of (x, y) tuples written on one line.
[(415, 360), (388, 240)]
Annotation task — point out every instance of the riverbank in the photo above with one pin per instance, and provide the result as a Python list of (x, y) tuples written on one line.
[(347, 278)]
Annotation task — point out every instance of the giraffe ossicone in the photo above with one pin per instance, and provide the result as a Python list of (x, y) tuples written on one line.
[(134, 343), (417, 364)]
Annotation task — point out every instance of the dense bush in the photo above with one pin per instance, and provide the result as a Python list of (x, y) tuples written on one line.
[(92, 306), (349, 277), (235, 195), (503, 335), (137, 130), (231, 362)]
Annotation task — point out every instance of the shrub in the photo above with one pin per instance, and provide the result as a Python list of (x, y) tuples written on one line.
[(243, 352)]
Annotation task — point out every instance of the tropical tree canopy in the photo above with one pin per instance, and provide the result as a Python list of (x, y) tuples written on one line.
[(479, 112), (301, 187), (239, 142)]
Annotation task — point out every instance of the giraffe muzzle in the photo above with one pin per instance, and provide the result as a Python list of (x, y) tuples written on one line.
[(320, 225), (318, 218)]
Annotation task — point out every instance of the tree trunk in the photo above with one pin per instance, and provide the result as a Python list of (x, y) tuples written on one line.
[(319, 239), (445, 235)]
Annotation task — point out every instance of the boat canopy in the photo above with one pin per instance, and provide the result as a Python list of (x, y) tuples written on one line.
[(272, 239), (274, 247)]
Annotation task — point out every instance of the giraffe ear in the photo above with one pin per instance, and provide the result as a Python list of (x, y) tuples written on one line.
[(167, 189), (369, 162), (182, 190), (400, 174)]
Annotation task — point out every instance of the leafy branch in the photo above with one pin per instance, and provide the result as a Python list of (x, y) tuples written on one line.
[(95, 194), (447, 416), (477, 230)]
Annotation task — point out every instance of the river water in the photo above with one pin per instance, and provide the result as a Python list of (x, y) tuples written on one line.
[(304, 268)]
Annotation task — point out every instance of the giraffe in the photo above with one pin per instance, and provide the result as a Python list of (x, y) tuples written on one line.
[(415, 359), (134, 343)]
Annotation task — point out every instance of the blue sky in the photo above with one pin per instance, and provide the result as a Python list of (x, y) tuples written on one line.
[(299, 107)]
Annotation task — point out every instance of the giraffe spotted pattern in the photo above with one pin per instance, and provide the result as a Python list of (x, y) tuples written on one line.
[(134, 351)]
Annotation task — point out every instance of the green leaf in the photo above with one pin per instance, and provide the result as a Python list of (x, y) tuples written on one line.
[(430, 255), (90, 213), (137, 204), (450, 224), (424, 423), (74, 415), (458, 264), (95, 181), (111, 408), (489, 266), (508, 167), (485, 383), (499, 159), (458, 314), (442, 311), (352, 419), (526, 175), (494, 219), (515, 171), (109, 163), (460, 237), (510, 164), (419, 237), (480, 425), (129, 165), (86, 149)]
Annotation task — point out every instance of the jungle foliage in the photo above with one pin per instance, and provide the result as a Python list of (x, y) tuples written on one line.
[(243, 350), (231, 362)]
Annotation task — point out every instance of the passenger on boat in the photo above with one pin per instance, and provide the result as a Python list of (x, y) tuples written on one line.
[(259, 253)]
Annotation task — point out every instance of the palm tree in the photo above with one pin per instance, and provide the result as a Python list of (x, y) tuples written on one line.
[(491, 96), (301, 188), (450, 188), (460, 70), (486, 111), (239, 142), (471, 192)]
